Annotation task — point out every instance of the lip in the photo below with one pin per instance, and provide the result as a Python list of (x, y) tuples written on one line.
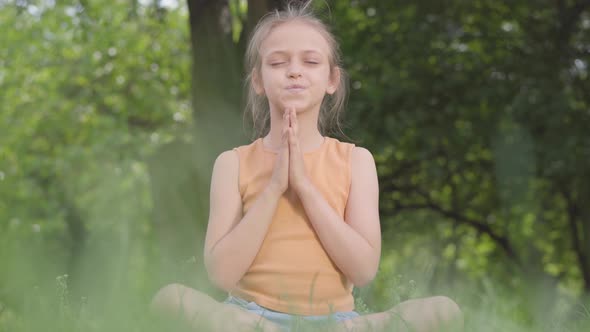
[(295, 87)]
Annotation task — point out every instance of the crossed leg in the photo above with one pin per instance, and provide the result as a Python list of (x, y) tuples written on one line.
[(200, 312), (432, 314)]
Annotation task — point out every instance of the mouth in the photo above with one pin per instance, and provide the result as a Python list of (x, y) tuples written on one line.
[(295, 88)]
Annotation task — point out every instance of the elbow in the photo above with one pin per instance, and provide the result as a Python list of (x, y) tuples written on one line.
[(221, 280), (223, 284), (365, 275), (218, 276), (363, 279)]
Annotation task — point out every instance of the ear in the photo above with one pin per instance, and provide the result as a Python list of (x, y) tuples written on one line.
[(334, 80), (257, 82)]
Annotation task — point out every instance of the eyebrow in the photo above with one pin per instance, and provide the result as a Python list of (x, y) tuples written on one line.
[(281, 52)]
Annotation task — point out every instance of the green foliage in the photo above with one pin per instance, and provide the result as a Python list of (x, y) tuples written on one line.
[(89, 91), (476, 111), (470, 108)]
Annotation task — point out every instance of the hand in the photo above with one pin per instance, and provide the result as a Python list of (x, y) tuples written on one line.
[(279, 181), (297, 174)]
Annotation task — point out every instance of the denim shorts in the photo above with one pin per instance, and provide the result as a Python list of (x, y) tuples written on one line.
[(290, 322)]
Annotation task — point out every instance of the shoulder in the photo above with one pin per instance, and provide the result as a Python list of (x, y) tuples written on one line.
[(357, 153), (357, 156), (245, 150), (227, 157), (363, 171), (359, 160), (362, 159), (361, 154), (226, 161), (234, 154), (243, 153), (339, 147)]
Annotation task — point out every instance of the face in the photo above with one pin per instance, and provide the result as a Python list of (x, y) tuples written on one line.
[(295, 68)]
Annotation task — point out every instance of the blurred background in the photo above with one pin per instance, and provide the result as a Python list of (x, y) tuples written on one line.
[(477, 113)]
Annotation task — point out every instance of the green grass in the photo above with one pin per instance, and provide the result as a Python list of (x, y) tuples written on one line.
[(113, 293), (492, 309)]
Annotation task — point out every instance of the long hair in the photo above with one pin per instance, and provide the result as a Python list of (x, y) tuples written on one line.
[(329, 120)]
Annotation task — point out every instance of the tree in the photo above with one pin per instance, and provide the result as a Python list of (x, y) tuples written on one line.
[(479, 116)]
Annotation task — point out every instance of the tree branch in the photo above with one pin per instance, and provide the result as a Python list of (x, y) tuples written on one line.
[(478, 225)]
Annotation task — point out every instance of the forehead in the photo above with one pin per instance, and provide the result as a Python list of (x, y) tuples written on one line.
[(294, 37)]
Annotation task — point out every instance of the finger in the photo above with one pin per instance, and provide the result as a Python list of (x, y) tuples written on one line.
[(295, 123), (286, 147), (285, 136), (290, 134), (293, 141), (285, 119)]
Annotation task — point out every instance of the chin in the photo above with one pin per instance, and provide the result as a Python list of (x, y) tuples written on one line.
[(297, 106)]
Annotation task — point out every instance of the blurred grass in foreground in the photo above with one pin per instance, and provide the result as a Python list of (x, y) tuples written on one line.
[(123, 306)]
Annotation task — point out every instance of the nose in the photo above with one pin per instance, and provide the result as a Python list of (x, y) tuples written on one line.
[(294, 70)]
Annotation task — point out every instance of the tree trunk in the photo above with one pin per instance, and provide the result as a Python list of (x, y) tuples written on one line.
[(585, 236), (180, 171)]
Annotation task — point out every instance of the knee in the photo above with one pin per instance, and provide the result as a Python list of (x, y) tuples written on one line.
[(448, 311), (168, 298)]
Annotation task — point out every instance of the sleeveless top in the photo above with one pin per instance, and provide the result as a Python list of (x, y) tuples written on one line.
[(292, 272)]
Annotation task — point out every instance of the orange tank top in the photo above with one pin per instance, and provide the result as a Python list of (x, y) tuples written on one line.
[(292, 272)]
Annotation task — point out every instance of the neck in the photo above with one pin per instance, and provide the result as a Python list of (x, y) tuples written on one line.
[(309, 135)]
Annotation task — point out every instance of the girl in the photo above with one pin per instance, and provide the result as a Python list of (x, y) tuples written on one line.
[(294, 221)]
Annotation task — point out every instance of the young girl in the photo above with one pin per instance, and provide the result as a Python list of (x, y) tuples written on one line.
[(294, 221)]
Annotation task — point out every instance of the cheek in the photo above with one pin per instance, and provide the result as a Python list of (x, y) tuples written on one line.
[(325, 73), (324, 78), (262, 81), (268, 77)]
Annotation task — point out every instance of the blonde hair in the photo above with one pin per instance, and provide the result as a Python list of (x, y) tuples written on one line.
[(329, 120)]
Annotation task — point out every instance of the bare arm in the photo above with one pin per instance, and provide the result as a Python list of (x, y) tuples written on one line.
[(232, 241), (354, 244)]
